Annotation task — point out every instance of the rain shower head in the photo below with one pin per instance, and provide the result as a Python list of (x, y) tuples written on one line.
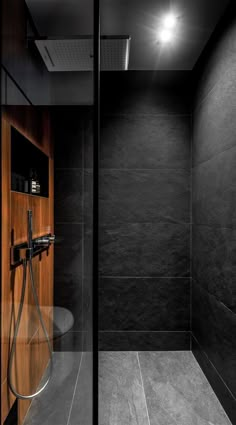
[(76, 54)]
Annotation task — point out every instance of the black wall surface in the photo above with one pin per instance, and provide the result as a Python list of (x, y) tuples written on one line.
[(214, 214), (145, 211), (73, 224)]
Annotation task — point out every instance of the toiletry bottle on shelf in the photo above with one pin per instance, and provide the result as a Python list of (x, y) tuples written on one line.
[(38, 186), (26, 186), (32, 181)]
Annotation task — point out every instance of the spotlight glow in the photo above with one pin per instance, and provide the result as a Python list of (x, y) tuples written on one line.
[(165, 36), (169, 21)]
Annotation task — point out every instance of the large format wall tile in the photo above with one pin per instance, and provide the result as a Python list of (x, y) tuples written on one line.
[(214, 233), (144, 341), (69, 137), (214, 326), (214, 253), (68, 250), (214, 190), (220, 64), (160, 141), (68, 294), (68, 277), (88, 196), (144, 196), (214, 122), (68, 196), (73, 225), (146, 92), (144, 250), (144, 304), (89, 140), (145, 208)]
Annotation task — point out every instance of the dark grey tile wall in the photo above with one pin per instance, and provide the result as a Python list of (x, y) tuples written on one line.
[(144, 213), (73, 225), (142, 304), (144, 340), (214, 224)]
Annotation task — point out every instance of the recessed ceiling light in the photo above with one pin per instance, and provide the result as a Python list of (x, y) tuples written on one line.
[(169, 21), (165, 36)]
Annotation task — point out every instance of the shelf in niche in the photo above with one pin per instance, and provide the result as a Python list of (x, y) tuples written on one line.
[(29, 194), (24, 157)]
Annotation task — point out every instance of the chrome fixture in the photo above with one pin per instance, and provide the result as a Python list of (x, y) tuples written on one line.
[(76, 54), (31, 248), (25, 255), (45, 241)]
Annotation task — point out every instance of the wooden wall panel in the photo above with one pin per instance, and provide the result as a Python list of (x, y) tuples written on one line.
[(32, 353)]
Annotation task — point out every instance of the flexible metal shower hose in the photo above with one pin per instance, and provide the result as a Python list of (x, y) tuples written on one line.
[(18, 321)]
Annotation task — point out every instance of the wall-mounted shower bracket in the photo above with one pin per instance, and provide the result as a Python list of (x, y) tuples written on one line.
[(23, 251)]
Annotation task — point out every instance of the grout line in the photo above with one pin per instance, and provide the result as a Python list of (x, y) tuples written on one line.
[(73, 397), (154, 169), (69, 169), (138, 114), (144, 277), (67, 223), (214, 226), (143, 388), (120, 223), (147, 331)]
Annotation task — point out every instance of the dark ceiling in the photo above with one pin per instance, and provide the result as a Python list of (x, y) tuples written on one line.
[(140, 19)]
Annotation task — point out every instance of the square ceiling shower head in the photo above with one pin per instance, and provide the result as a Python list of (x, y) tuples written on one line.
[(68, 55)]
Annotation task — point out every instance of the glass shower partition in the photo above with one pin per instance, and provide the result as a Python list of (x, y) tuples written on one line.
[(49, 148)]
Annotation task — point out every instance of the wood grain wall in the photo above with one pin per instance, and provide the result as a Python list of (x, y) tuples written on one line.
[(32, 353)]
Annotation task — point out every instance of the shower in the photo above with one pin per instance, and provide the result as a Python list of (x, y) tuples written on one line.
[(118, 136), (24, 255)]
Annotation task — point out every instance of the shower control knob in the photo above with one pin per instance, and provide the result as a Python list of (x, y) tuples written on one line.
[(52, 239)]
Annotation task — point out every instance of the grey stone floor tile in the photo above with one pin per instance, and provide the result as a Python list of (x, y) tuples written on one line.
[(52, 407), (177, 391), (121, 395)]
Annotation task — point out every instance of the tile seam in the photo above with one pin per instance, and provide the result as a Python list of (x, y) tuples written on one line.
[(141, 331), (144, 394), (75, 387)]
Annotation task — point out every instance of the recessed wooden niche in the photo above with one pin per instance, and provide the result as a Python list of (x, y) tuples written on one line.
[(27, 161)]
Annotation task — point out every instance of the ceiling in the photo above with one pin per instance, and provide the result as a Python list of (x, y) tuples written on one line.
[(140, 19)]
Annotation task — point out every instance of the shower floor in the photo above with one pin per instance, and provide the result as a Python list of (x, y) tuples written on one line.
[(68, 398), (135, 388), (156, 388)]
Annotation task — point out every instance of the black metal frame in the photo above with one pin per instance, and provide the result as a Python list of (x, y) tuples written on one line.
[(96, 154)]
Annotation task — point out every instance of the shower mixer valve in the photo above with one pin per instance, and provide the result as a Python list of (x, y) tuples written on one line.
[(44, 241), (29, 250), (32, 247)]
